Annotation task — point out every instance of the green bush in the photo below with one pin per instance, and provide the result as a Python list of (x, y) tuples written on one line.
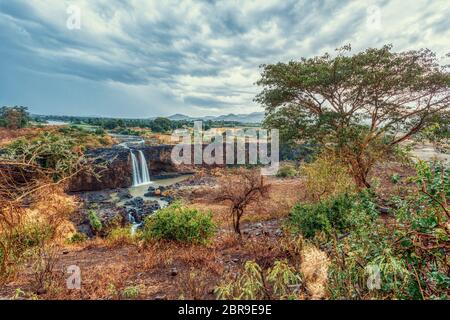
[(95, 221), (402, 256), (179, 223), (77, 237), (326, 216), (287, 171)]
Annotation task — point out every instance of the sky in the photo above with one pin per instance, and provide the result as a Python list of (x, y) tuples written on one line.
[(138, 59)]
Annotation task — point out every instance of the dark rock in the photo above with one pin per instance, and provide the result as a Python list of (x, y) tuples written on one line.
[(95, 196), (384, 210), (174, 272), (124, 194), (137, 202), (150, 207), (86, 229), (168, 199), (149, 194)]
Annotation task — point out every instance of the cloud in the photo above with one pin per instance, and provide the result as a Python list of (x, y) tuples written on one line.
[(145, 58)]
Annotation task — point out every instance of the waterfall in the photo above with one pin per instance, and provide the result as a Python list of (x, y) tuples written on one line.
[(144, 169), (140, 170)]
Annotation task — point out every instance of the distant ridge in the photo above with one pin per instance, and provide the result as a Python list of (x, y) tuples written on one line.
[(254, 117)]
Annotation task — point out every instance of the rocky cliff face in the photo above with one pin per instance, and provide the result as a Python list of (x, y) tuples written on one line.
[(114, 170)]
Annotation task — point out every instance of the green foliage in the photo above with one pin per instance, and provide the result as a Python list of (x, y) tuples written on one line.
[(395, 178), (122, 235), (14, 117), (287, 171), (326, 177), (131, 292), (408, 254), (94, 221), (437, 128), (49, 151), (179, 223), (77, 237), (353, 104), (278, 282), (327, 217)]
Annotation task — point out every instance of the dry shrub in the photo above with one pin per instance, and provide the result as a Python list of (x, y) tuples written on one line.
[(120, 236), (53, 208), (314, 267), (101, 282), (158, 254), (43, 263), (195, 284), (327, 177), (32, 230), (200, 257), (227, 240), (240, 189)]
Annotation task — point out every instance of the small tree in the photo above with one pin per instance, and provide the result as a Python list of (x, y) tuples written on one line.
[(357, 106), (14, 117), (240, 189)]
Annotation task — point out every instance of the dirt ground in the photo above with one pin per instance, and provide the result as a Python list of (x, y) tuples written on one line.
[(164, 270)]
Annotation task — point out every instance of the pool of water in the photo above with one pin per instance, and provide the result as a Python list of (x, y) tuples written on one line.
[(139, 191)]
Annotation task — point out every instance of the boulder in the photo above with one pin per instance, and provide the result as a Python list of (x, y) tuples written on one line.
[(124, 194), (137, 202)]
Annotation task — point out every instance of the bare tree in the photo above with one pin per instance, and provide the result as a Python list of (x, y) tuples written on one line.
[(240, 189)]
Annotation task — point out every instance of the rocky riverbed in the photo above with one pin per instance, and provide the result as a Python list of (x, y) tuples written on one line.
[(128, 206)]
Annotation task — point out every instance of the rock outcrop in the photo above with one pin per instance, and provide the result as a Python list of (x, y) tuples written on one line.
[(113, 167)]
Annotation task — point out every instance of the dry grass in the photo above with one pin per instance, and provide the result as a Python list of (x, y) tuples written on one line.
[(117, 269), (282, 196), (8, 135), (314, 267)]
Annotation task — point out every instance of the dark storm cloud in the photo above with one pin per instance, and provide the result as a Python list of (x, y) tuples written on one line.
[(177, 55)]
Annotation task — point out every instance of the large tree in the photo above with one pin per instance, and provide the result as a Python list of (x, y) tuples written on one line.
[(14, 117), (358, 106)]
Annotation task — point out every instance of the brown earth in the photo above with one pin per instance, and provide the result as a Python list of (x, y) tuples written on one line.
[(164, 270)]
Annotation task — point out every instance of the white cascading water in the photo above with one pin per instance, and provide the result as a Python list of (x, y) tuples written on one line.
[(145, 175), (141, 175)]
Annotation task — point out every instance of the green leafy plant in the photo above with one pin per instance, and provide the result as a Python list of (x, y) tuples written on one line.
[(326, 217), (179, 223), (353, 104), (326, 177), (287, 171), (405, 257), (131, 292), (279, 282), (395, 178), (94, 221), (77, 237)]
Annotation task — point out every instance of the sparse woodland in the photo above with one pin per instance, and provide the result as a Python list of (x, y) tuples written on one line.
[(361, 219)]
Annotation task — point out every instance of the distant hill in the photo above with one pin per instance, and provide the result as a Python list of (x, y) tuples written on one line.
[(255, 117), (178, 116)]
